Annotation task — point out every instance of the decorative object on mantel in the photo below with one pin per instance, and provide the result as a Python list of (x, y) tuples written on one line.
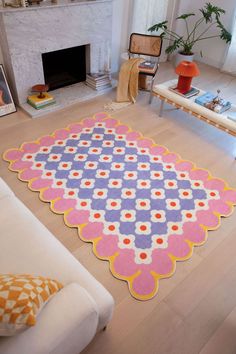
[(7, 105), (10, 4), (42, 99), (34, 2), (144, 209), (16, 4), (41, 89)]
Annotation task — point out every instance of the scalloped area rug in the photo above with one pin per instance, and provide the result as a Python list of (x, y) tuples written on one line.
[(141, 206)]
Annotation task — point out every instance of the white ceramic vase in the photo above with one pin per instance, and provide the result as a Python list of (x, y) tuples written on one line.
[(181, 57)]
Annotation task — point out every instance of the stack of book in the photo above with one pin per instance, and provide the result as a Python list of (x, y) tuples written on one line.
[(98, 81), (148, 66), (192, 92), (213, 102), (39, 103)]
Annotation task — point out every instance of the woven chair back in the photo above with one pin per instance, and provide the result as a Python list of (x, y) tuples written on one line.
[(144, 44)]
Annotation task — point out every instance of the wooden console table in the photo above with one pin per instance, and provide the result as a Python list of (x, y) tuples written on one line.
[(188, 105)]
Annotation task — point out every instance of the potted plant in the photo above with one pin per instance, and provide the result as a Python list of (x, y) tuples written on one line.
[(210, 18)]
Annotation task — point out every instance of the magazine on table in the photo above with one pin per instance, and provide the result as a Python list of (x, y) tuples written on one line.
[(190, 93), (213, 102)]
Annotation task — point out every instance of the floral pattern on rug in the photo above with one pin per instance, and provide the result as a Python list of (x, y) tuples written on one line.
[(141, 206)]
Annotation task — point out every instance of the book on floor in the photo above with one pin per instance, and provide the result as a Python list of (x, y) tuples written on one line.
[(41, 104), (99, 88), (98, 81), (37, 100), (97, 76)]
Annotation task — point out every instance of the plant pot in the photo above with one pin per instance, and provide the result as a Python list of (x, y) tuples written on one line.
[(180, 57)]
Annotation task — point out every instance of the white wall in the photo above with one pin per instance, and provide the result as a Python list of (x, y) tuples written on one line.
[(120, 31), (214, 50), (122, 27), (122, 15)]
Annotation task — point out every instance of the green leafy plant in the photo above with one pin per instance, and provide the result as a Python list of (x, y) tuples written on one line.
[(210, 17)]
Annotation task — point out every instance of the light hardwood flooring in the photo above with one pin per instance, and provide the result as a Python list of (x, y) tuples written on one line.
[(195, 309)]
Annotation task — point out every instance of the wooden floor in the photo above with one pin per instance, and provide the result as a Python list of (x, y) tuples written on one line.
[(195, 309)]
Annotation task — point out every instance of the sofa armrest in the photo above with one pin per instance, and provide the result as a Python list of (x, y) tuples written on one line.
[(66, 324), (5, 191)]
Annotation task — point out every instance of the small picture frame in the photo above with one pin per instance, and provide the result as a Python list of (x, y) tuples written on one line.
[(7, 105)]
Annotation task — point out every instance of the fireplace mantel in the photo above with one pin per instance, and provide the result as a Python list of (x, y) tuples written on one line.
[(45, 4), (26, 33)]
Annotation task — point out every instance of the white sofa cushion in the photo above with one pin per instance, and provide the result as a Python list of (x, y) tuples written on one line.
[(66, 325), (27, 246), (69, 320), (4, 189)]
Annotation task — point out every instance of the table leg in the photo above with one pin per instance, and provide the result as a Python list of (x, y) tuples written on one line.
[(161, 108)]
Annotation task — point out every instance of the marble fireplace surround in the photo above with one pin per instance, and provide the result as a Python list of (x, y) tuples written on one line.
[(26, 33)]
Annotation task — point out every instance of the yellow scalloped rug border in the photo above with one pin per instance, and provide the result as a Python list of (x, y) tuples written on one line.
[(94, 242)]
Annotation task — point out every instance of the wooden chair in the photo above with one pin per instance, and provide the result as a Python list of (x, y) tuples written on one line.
[(146, 45)]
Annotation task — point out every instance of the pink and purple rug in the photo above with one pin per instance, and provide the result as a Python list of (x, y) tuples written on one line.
[(140, 205)]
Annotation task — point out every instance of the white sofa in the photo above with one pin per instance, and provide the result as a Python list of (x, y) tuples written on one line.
[(69, 321)]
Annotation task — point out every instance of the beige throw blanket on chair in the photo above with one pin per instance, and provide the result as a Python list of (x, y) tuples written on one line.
[(127, 89)]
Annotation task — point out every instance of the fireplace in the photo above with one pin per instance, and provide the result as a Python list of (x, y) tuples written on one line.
[(55, 28), (65, 67)]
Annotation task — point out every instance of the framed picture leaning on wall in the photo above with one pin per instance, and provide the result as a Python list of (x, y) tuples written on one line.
[(7, 105)]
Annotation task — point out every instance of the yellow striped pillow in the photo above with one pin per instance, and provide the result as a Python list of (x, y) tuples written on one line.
[(22, 296)]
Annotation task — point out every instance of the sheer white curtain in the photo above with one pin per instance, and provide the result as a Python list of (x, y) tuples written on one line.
[(230, 62), (148, 12)]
